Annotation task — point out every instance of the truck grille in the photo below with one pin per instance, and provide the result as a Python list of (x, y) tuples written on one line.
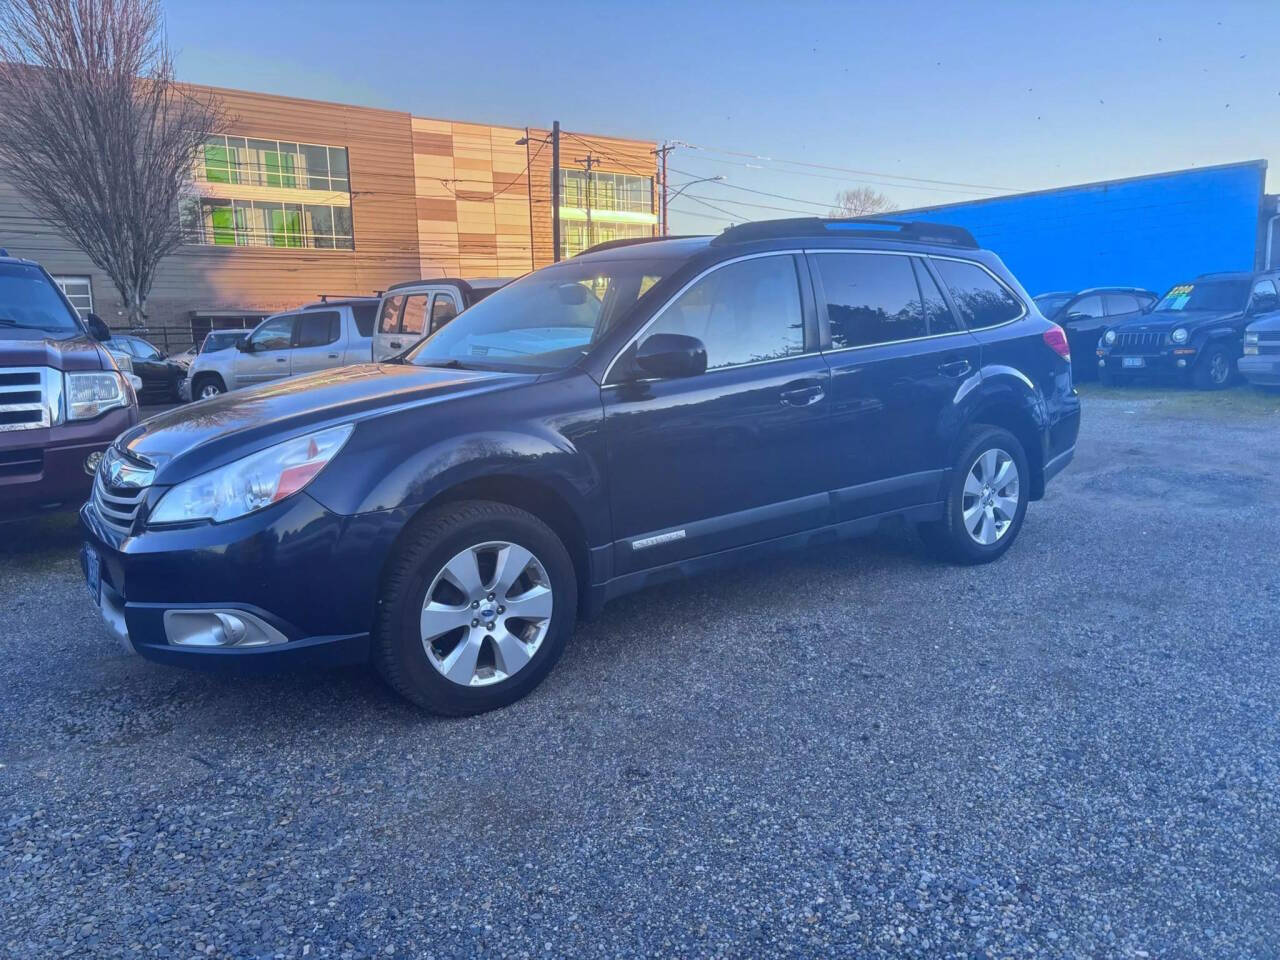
[(23, 403), (25, 461), (1269, 342), (1139, 341), (118, 489)]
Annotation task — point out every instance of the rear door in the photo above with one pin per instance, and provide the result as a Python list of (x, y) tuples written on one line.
[(898, 356), (316, 343), (272, 344), (1084, 321)]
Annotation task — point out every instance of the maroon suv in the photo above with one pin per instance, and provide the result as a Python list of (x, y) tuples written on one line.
[(62, 397)]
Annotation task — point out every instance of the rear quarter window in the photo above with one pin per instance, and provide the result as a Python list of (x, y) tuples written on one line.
[(981, 299), (364, 315)]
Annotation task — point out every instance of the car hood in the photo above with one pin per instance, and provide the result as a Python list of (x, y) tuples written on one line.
[(1162, 321), (188, 440), (75, 352)]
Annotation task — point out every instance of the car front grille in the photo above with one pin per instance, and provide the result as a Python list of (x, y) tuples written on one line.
[(24, 396), (1269, 342), (118, 488), (1144, 342)]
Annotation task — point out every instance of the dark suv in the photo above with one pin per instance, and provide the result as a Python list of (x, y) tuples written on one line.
[(640, 412), (1084, 315), (1195, 333)]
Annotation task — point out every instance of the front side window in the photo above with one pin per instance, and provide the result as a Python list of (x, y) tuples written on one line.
[(936, 312), (871, 298), (546, 320), (413, 319), (443, 309), (743, 312), (318, 328), (982, 300), (143, 350), (274, 334), (1121, 303)]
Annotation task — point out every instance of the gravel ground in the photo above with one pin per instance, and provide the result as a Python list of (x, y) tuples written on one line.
[(1073, 752)]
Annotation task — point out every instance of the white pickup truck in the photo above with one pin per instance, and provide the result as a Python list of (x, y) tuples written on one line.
[(330, 333)]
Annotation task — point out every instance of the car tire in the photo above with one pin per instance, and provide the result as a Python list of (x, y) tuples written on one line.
[(968, 537), (472, 654), (207, 385), (1214, 368)]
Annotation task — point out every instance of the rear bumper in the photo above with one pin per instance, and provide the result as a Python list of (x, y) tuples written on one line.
[(1261, 370)]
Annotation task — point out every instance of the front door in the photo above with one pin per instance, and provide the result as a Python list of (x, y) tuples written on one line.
[(271, 348), (737, 454), (898, 358), (316, 345)]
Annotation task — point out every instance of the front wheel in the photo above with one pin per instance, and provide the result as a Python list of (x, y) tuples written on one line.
[(206, 386), (476, 608), (986, 498), (1214, 369)]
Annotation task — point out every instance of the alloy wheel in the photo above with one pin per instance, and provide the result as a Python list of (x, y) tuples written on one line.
[(990, 499), (1219, 367), (486, 613), (209, 390)]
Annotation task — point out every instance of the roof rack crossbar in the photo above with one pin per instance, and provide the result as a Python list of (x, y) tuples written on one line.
[(629, 242), (918, 231)]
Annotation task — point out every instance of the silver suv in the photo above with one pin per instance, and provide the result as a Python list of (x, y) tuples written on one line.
[(331, 333)]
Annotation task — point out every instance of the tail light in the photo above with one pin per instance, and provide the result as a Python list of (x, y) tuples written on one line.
[(1056, 340)]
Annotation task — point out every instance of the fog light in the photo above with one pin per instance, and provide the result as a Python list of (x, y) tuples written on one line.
[(219, 628), (1182, 361), (91, 462), (1102, 363)]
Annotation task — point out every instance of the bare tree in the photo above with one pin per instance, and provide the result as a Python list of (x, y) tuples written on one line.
[(860, 202), (95, 132)]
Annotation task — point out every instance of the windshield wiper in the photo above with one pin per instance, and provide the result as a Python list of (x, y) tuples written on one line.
[(9, 322), (450, 364)]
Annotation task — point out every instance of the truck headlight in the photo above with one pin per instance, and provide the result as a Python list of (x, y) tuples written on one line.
[(252, 482), (90, 393), (1179, 335), (1109, 337)]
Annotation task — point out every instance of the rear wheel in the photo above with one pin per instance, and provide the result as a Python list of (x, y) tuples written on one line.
[(476, 608), (207, 385), (986, 498), (1214, 369)]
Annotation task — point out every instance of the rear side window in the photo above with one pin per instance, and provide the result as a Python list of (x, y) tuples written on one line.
[(1118, 303), (936, 311), (981, 299), (389, 318), (744, 312), (318, 328), (871, 298), (364, 314)]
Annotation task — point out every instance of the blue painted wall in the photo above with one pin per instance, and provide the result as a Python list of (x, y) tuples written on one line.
[(1151, 231)]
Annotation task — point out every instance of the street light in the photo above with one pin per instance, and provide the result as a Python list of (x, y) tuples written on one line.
[(683, 188), (554, 140)]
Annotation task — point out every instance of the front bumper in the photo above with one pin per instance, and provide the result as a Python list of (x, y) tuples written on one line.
[(1261, 370), (1164, 364), (184, 389), (312, 575)]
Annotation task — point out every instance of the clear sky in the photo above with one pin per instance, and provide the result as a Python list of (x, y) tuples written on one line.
[(998, 96)]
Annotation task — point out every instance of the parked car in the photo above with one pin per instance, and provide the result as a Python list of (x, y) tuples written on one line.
[(318, 336), (1084, 314), (62, 396), (1195, 333), (410, 311), (645, 410), (1260, 364), (213, 340), (161, 375)]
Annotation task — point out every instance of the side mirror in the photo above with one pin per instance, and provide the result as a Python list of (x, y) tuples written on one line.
[(97, 328), (245, 345), (670, 356)]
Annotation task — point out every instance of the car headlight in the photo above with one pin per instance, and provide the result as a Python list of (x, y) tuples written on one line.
[(1250, 337), (1179, 335), (252, 482), (1109, 337), (93, 392)]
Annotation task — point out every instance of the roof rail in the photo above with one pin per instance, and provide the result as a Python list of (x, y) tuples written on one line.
[(458, 281), (326, 297), (916, 231), (630, 242), (1225, 273)]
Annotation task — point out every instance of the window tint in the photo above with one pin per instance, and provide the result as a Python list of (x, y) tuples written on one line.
[(981, 300), (364, 313), (442, 311), (871, 298), (143, 350), (389, 319), (317, 328), (1118, 303), (936, 311), (275, 334), (413, 320), (1086, 307), (743, 312)]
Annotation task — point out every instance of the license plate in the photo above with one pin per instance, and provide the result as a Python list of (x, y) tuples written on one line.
[(93, 572), (1130, 362)]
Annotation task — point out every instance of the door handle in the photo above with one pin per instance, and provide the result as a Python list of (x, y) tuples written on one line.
[(955, 368), (281, 360), (333, 356), (802, 396), (395, 344)]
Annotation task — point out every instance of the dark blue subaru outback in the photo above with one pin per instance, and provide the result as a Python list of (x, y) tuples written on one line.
[(643, 411)]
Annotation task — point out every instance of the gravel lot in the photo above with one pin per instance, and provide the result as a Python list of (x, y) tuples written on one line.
[(861, 752)]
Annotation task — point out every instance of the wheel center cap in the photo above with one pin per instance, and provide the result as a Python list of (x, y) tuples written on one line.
[(488, 613)]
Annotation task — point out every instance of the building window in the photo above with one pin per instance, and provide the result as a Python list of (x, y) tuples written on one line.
[(576, 236), (606, 192), (265, 223), (79, 291), (274, 163)]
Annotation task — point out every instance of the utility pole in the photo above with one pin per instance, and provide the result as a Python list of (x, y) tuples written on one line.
[(588, 162), (555, 191), (661, 152)]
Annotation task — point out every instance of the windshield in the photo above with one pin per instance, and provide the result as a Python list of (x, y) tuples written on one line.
[(1211, 295), (546, 320), (1051, 303), (220, 341), (29, 301)]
